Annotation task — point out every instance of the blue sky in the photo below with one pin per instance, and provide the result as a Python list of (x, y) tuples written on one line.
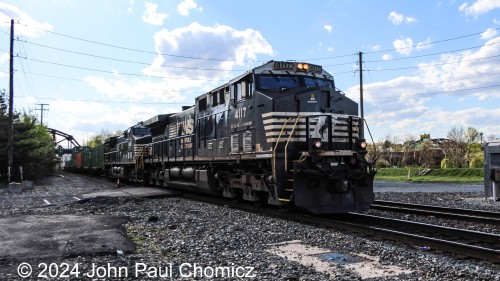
[(108, 64)]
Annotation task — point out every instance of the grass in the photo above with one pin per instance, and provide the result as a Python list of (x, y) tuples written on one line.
[(457, 175)]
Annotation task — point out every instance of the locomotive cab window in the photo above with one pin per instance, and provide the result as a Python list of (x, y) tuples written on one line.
[(215, 98), (222, 96), (202, 104), (242, 90), (141, 132)]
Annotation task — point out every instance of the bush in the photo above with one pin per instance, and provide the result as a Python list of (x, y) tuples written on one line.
[(447, 163), (382, 163), (477, 162)]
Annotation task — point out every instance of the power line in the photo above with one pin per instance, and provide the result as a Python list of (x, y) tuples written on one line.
[(430, 43), (429, 83), (122, 73), (108, 101), (31, 85), (128, 61), (433, 54), (226, 60), (4, 12), (436, 93), (431, 65), (163, 66)]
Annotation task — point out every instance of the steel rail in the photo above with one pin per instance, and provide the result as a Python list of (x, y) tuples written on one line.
[(442, 212)]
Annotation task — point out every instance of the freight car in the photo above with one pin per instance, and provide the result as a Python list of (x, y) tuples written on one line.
[(280, 134)]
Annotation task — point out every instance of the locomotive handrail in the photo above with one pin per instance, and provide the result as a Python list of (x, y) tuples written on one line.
[(288, 141), (276, 146)]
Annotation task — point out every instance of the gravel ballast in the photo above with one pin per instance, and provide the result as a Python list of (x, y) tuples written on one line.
[(175, 233)]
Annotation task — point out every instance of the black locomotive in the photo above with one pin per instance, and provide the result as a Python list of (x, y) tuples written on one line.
[(280, 134)]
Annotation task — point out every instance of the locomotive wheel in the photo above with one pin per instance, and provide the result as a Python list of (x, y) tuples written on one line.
[(286, 207), (238, 196), (262, 200)]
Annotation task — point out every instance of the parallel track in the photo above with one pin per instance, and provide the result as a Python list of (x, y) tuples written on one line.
[(465, 243), (478, 216)]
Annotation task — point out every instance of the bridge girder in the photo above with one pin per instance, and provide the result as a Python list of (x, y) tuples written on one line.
[(67, 137)]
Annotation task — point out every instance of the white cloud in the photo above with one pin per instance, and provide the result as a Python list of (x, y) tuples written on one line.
[(374, 48), (328, 28), (424, 44), (135, 90), (185, 6), (220, 48), (489, 33), (397, 19), (387, 57), (151, 15), (27, 26), (403, 46), (479, 7), (4, 60), (80, 117), (330, 49), (83, 118)]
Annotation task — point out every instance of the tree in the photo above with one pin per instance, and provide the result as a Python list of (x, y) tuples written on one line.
[(461, 149), (33, 146), (425, 154), (457, 147), (407, 148), (4, 133), (490, 137), (471, 136), (100, 138)]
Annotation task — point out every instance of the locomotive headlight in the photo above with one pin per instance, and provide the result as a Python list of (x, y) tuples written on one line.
[(363, 144), (302, 67), (317, 144)]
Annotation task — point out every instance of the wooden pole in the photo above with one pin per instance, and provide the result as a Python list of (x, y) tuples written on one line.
[(11, 103)]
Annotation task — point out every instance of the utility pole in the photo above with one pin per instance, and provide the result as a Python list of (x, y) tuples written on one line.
[(41, 111), (11, 103), (362, 113)]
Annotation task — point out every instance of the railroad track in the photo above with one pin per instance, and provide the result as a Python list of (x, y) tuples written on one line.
[(458, 241), (478, 216), (462, 242)]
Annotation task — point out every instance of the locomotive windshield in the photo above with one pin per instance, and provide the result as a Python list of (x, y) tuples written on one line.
[(272, 82), (317, 82)]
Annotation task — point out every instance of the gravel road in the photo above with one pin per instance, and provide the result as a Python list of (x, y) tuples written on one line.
[(187, 240)]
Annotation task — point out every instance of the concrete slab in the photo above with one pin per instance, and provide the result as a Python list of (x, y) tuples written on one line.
[(52, 237), (141, 192), (367, 267)]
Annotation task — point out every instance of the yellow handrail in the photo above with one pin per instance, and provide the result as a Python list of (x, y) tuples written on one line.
[(276, 147), (288, 141)]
